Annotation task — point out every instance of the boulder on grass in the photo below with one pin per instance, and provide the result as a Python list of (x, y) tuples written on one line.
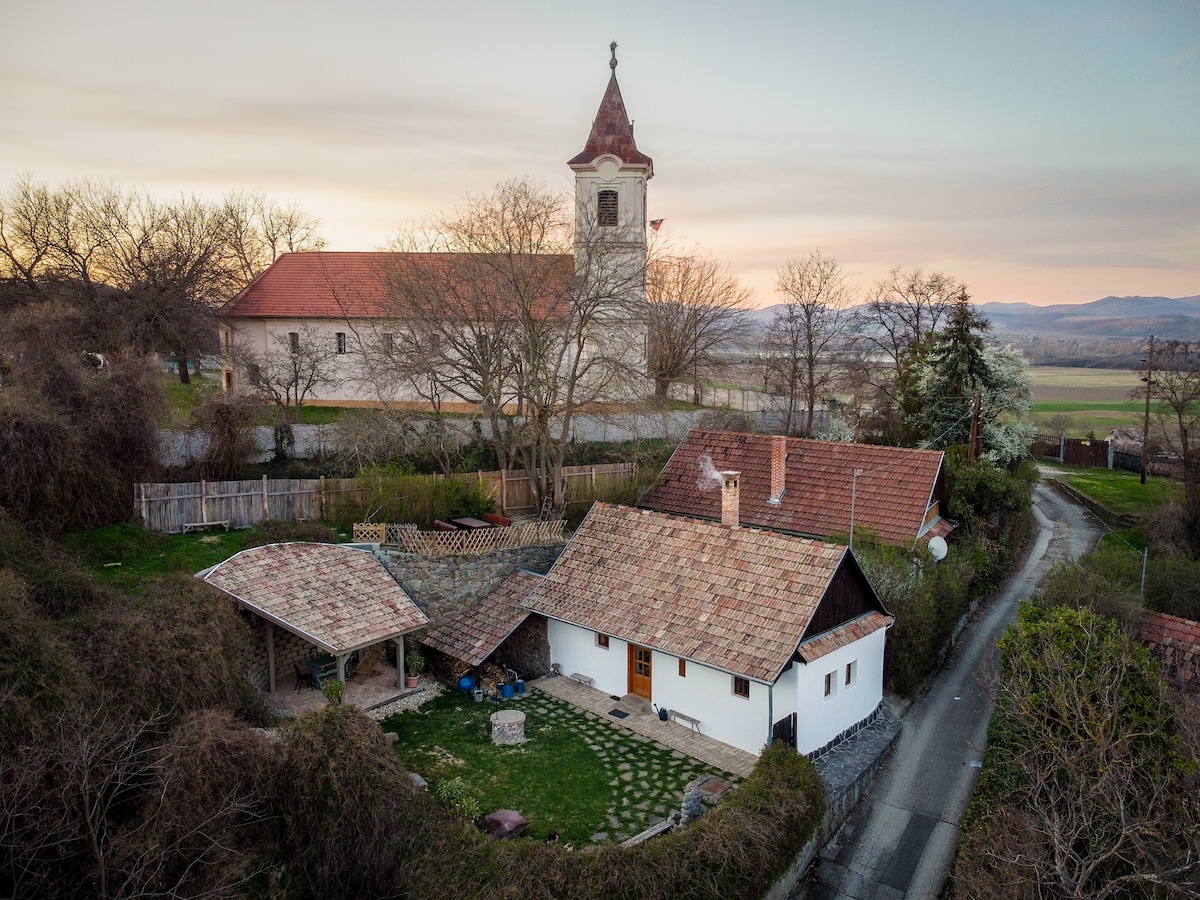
[(504, 823)]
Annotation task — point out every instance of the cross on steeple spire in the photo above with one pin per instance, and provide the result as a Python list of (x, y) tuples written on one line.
[(612, 63)]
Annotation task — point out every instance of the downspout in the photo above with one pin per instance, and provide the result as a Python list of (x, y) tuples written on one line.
[(770, 712)]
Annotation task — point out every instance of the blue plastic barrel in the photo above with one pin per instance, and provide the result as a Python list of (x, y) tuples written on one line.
[(506, 691), (466, 684), (520, 686)]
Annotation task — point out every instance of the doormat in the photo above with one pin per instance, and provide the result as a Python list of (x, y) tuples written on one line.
[(617, 713)]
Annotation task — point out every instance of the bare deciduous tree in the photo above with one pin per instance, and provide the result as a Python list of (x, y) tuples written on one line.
[(893, 327), (695, 308), (1175, 383), (805, 334), (512, 312)]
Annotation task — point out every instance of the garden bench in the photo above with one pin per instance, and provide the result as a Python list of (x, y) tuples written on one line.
[(582, 679), (677, 716), (201, 526)]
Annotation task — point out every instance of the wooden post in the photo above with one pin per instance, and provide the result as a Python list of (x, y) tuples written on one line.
[(319, 512), (266, 502), (145, 508), (203, 503), (503, 494)]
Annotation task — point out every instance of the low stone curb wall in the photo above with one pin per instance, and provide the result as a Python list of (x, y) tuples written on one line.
[(848, 771), (1103, 513)]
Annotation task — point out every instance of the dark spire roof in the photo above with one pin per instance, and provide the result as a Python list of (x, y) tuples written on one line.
[(611, 131)]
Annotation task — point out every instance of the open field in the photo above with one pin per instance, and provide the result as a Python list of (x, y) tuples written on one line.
[(1061, 383)]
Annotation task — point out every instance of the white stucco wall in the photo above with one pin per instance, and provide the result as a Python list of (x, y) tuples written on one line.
[(703, 693), (821, 718)]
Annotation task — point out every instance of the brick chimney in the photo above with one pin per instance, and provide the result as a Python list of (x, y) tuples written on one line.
[(729, 498), (778, 467)]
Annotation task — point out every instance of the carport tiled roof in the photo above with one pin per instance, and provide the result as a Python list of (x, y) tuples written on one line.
[(892, 496), (1175, 642), (736, 599), (475, 633), (339, 598)]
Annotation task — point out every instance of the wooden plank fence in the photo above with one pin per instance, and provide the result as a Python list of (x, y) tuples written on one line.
[(168, 507)]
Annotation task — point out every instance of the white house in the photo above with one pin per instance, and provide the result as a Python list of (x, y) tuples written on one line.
[(354, 315), (755, 634)]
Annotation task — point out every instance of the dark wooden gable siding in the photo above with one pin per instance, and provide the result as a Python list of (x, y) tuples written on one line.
[(847, 598)]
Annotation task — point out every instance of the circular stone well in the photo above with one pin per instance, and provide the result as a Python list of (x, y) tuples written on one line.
[(508, 726)]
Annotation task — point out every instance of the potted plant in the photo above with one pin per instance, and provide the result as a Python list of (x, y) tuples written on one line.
[(416, 665), (334, 690)]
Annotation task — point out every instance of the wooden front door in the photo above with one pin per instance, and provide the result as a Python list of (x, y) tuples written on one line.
[(639, 671)]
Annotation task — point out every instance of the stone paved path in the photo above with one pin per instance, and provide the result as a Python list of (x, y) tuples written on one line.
[(671, 734), (646, 779)]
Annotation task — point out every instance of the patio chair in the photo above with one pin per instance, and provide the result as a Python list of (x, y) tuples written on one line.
[(303, 675)]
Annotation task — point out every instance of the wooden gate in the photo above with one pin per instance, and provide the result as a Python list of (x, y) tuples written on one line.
[(785, 730)]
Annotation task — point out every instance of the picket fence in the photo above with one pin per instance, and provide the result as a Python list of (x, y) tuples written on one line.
[(169, 508)]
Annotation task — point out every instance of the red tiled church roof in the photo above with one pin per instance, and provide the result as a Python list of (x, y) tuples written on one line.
[(736, 599), (1175, 642), (339, 598), (329, 285), (892, 496), (474, 634)]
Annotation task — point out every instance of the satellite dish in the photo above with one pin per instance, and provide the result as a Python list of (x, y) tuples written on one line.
[(937, 546)]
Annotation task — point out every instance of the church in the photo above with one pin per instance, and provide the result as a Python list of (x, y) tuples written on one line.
[(488, 318)]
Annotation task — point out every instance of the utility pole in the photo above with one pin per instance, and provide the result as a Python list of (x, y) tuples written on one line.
[(1149, 379)]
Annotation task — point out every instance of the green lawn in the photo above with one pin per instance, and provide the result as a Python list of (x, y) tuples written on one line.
[(574, 774), (1122, 492), (126, 555)]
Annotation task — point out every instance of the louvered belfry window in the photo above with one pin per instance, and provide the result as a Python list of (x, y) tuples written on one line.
[(606, 208)]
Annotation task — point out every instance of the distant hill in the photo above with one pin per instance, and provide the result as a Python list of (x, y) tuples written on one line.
[(1112, 318), (1115, 318)]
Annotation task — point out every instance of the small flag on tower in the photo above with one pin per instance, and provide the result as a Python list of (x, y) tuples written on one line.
[(654, 223)]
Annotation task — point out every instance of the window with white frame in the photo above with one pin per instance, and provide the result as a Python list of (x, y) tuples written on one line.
[(741, 687), (602, 640)]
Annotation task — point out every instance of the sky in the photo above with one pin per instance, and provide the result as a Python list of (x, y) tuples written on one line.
[(1039, 152)]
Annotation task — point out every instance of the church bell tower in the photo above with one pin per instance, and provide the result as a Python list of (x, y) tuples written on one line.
[(610, 199)]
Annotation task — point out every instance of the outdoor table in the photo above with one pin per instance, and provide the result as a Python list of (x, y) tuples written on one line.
[(466, 523)]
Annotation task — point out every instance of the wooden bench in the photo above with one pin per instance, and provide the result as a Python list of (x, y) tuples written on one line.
[(582, 679), (677, 716), (201, 526)]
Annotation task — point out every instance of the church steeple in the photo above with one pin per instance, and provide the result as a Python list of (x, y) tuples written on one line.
[(612, 132)]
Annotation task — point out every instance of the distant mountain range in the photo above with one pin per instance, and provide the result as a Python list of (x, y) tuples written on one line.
[(1112, 318)]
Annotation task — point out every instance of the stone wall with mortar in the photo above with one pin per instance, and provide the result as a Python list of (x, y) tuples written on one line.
[(443, 586)]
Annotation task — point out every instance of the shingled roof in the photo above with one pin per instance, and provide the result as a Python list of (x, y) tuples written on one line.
[(735, 599), (894, 491), (475, 633), (1175, 642), (328, 285), (339, 598)]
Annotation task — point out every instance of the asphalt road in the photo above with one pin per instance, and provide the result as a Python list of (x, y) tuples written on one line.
[(900, 840)]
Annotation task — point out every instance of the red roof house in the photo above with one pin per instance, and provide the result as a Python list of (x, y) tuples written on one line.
[(736, 627), (807, 487), (1175, 643)]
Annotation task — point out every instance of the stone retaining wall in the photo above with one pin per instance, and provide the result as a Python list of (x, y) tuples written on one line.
[(443, 586)]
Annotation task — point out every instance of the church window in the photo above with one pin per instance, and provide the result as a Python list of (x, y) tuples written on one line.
[(389, 343), (341, 342), (293, 342), (606, 208)]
